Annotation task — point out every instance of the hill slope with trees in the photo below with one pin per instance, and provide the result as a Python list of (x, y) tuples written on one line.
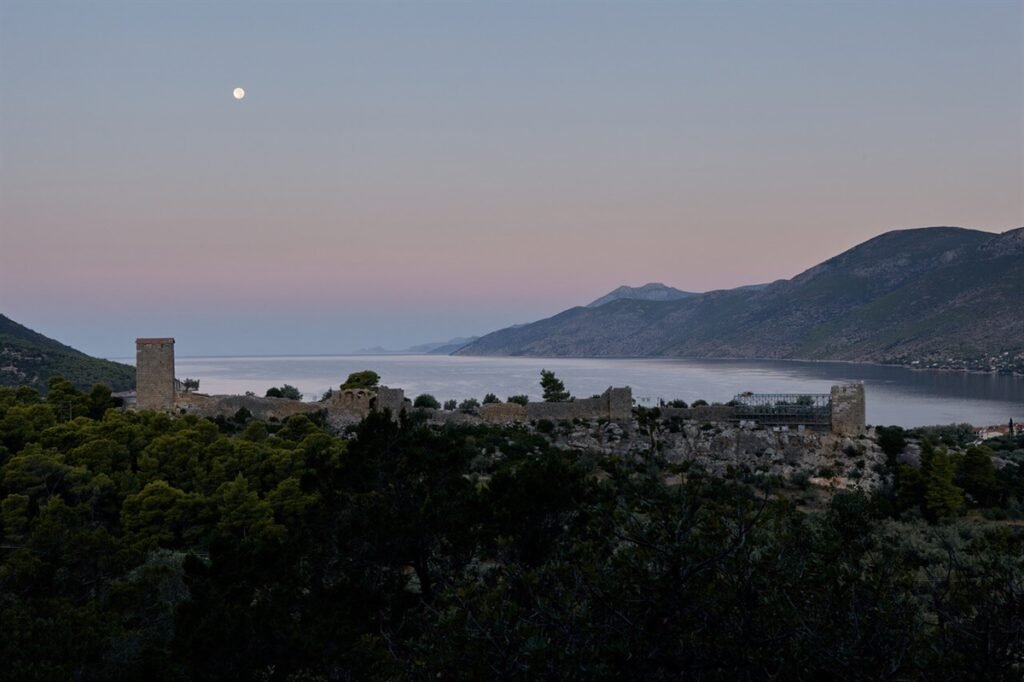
[(136, 545), (27, 358)]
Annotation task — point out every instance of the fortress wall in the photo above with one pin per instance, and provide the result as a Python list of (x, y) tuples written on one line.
[(451, 417), (708, 413), (227, 405), (354, 400), (615, 404), (154, 374), (576, 409), (391, 399), (620, 403), (350, 405), (503, 413)]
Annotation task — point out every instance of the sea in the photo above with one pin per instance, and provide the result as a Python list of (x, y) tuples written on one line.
[(895, 395)]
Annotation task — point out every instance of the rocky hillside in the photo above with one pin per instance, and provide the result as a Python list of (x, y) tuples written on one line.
[(655, 291), (27, 358), (929, 297)]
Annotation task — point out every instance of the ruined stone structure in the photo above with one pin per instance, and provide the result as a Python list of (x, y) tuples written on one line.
[(848, 409), (843, 409), (705, 413), (154, 374), (343, 407), (615, 404), (354, 400), (227, 405), (504, 413), (390, 399)]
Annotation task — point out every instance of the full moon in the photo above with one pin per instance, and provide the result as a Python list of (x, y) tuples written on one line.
[(239, 93)]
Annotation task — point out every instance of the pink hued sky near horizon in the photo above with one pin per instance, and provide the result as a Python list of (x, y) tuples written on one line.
[(405, 173)]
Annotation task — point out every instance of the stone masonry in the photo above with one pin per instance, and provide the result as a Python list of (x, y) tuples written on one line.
[(154, 374), (391, 399), (615, 404), (848, 414)]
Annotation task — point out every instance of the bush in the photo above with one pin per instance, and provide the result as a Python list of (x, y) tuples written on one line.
[(518, 399), (426, 400), (892, 440), (546, 426), (287, 391), (699, 403), (491, 398), (365, 379), (951, 435), (450, 405), (469, 405), (800, 480)]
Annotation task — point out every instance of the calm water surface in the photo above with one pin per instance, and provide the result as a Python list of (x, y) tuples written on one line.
[(894, 395)]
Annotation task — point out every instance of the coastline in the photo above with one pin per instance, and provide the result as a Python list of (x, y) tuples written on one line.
[(873, 363)]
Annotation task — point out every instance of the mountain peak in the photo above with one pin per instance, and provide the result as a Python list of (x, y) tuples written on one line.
[(652, 291)]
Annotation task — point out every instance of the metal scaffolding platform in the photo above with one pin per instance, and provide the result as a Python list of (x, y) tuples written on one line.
[(785, 409)]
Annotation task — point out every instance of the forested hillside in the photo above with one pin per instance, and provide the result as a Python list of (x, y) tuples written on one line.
[(27, 358), (141, 546)]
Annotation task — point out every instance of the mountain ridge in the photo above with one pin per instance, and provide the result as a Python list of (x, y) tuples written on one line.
[(909, 297)]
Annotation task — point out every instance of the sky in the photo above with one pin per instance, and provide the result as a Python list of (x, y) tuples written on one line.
[(405, 172)]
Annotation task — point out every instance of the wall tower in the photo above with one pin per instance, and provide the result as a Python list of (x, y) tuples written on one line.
[(154, 374), (848, 409)]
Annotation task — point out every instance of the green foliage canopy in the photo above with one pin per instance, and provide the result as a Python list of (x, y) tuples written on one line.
[(287, 391), (426, 400), (364, 379), (144, 546)]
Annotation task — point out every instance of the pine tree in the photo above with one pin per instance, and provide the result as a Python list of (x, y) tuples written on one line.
[(554, 389)]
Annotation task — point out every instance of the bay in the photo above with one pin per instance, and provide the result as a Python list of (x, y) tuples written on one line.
[(895, 395)]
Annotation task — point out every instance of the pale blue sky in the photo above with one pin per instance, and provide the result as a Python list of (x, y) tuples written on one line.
[(404, 172)]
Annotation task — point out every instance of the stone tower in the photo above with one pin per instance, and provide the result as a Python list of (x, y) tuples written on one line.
[(154, 374), (848, 409)]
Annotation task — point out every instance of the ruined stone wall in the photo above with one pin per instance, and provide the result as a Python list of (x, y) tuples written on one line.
[(154, 374), (350, 405), (351, 400), (620, 403), (707, 413), (848, 409), (587, 407), (391, 399), (615, 404), (205, 405), (504, 413), (450, 416)]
